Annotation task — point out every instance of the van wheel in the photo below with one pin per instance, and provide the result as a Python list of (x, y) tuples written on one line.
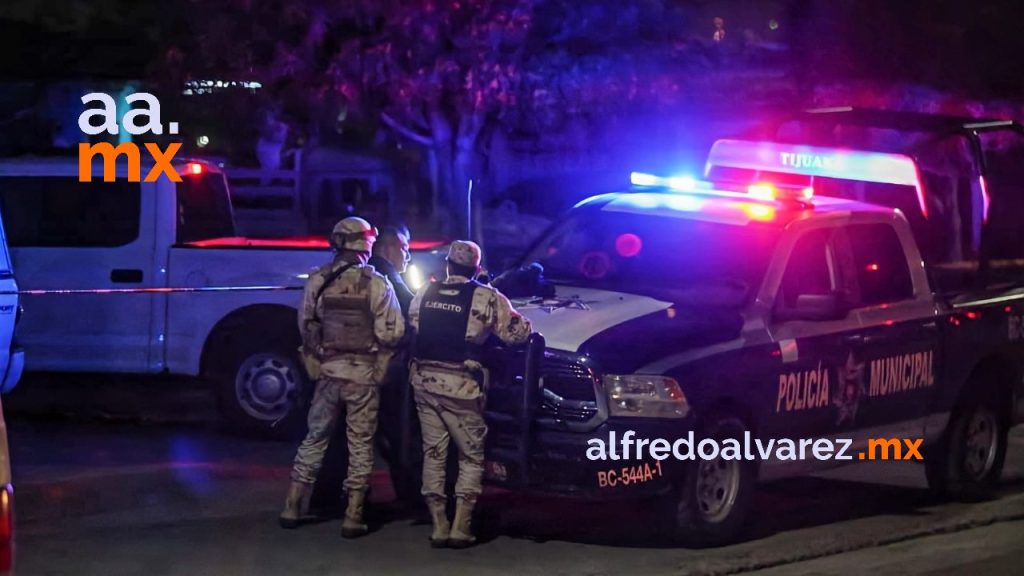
[(967, 463), (263, 388), (716, 495)]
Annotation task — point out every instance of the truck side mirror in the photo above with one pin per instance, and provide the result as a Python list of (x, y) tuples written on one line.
[(815, 307)]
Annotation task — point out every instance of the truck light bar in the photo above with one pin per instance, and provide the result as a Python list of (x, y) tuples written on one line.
[(818, 161), (760, 191), (764, 191), (674, 183)]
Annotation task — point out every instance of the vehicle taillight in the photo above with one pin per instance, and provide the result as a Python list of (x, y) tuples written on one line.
[(6, 529), (6, 512)]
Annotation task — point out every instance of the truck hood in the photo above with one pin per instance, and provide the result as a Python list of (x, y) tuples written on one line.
[(624, 331)]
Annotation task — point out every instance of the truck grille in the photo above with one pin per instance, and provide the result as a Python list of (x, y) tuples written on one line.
[(570, 389), (570, 379), (553, 409)]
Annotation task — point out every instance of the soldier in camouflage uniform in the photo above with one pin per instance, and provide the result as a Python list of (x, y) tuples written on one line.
[(350, 319), (452, 321)]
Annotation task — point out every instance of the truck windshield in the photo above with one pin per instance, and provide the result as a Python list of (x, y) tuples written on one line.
[(682, 260)]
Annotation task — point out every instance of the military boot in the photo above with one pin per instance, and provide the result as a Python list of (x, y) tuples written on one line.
[(296, 505), (353, 526), (439, 518), (461, 535)]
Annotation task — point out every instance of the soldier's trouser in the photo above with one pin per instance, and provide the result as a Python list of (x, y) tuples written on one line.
[(362, 404), (443, 419)]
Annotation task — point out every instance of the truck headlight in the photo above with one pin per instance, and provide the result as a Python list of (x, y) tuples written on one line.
[(648, 396)]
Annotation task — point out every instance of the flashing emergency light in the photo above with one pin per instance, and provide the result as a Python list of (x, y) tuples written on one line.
[(771, 192), (674, 183), (193, 169), (759, 211), (763, 191)]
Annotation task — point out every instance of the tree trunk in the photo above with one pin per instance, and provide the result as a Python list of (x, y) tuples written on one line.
[(462, 173), (447, 214)]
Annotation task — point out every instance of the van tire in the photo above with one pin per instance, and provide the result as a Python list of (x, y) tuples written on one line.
[(262, 387), (968, 460), (714, 501)]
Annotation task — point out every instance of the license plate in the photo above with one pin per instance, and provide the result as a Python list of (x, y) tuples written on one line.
[(629, 475)]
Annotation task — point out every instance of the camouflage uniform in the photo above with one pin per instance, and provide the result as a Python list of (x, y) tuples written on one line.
[(351, 324), (351, 380), (450, 396)]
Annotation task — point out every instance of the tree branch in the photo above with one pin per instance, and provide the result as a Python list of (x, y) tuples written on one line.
[(407, 132)]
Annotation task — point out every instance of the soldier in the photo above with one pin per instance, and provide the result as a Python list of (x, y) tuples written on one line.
[(390, 258), (350, 320), (452, 321)]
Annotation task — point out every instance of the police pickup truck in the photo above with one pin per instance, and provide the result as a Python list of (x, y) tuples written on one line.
[(150, 277), (754, 309)]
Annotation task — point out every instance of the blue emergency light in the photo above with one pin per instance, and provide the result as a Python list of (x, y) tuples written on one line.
[(673, 183)]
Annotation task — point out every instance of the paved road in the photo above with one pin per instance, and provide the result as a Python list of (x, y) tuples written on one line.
[(116, 496), (121, 498)]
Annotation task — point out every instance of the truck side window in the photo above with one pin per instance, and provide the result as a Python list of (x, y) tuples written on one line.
[(204, 208), (809, 270), (61, 211), (880, 263)]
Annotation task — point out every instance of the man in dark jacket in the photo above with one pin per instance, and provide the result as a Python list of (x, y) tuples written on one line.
[(390, 258)]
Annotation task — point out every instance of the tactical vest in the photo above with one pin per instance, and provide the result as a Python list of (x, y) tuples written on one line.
[(444, 320), (347, 323)]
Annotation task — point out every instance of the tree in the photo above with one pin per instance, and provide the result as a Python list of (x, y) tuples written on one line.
[(441, 72)]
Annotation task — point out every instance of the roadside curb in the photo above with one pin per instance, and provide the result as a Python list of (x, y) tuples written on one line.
[(964, 517)]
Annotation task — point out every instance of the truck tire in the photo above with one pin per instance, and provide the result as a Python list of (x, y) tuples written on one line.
[(262, 387), (967, 462), (714, 501)]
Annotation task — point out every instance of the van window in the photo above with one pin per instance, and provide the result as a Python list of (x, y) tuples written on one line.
[(61, 211)]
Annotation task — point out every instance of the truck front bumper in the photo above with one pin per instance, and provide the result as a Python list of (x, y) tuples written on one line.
[(567, 463)]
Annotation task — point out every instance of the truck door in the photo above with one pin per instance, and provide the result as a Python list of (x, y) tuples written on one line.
[(811, 346), (896, 351), (72, 243)]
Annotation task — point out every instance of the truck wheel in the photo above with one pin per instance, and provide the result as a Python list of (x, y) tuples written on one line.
[(262, 388), (967, 462), (716, 495)]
